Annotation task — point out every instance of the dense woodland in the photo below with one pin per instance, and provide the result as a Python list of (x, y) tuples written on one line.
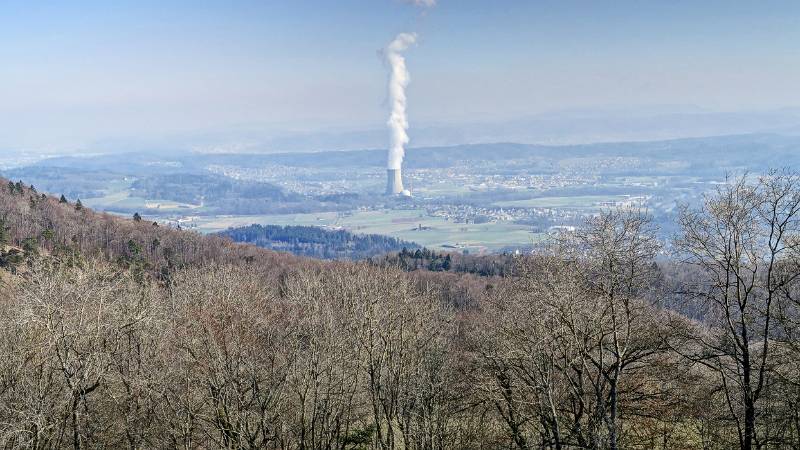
[(384, 251), (410, 259), (317, 242), (223, 195), (120, 333), (197, 189)]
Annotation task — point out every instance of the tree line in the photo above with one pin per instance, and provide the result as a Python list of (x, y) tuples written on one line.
[(317, 242), (593, 342), (410, 259)]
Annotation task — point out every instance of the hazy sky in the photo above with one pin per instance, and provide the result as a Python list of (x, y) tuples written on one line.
[(73, 73)]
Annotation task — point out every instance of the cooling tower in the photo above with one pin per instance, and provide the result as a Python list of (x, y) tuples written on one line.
[(394, 182)]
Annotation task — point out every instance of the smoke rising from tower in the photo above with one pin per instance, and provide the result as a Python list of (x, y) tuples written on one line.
[(398, 121), (423, 3), (398, 81)]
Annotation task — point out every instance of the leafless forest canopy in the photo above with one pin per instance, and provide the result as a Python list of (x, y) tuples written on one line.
[(121, 333)]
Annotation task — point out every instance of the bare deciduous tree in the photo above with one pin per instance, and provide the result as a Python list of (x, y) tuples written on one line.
[(743, 242)]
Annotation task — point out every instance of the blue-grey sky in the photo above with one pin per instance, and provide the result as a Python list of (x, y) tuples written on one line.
[(80, 72)]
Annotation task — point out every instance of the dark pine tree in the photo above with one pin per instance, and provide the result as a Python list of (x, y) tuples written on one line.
[(3, 233)]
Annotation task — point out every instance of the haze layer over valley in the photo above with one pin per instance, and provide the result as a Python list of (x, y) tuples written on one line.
[(473, 198)]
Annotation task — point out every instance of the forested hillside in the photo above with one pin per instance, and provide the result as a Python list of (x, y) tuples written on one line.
[(317, 242), (426, 259), (121, 333)]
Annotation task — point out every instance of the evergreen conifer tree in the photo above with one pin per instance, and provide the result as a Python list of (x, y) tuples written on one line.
[(4, 238)]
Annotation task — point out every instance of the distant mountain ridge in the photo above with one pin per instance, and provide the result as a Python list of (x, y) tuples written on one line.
[(564, 127), (772, 149)]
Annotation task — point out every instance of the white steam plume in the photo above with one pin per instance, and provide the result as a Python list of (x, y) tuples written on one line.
[(423, 3), (398, 80)]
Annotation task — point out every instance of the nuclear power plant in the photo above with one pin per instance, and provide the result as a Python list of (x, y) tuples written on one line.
[(394, 182), (398, 121)]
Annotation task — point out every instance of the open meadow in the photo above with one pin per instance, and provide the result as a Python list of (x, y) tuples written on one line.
[(411, 225)]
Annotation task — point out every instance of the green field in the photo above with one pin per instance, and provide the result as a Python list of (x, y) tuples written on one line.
[(404, 224), (123, 200), (583, 201), (436, 232), (443, 189)]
